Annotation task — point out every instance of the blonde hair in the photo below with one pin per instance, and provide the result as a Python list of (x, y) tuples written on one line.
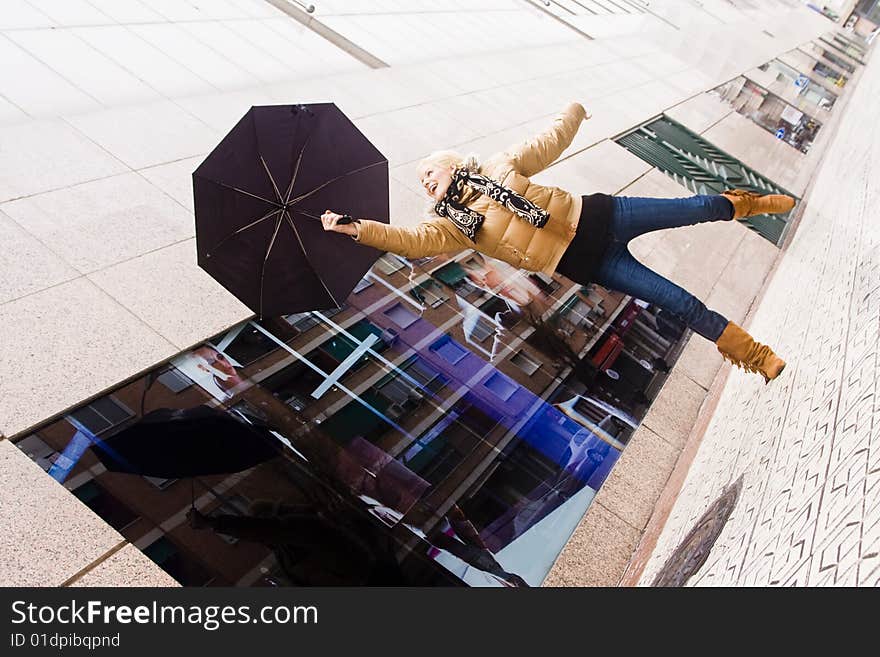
[(448, 160)]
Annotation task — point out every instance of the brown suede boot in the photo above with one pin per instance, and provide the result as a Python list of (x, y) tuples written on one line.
[(748, 204), (740, 348)]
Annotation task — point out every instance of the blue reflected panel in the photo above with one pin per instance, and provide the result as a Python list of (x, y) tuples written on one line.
[(70, 456)]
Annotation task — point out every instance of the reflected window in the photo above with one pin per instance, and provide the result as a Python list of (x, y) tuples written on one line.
[(451, 273), (37, 450), (545, 283), (175, 380), (363, 284), (398, 390), (501, 386), (102, 414), (294, 384), (481, 329), (576, 311), (335, 350), (356, 420), (249, 346), (184, 569), (525, 362), (160, 482), (429, 293), (401, 316), (388, 264), (105, 505), (302, 322), (449, 350), (430, 378)]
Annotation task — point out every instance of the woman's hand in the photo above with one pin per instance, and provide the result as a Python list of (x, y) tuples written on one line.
[(330, 221)]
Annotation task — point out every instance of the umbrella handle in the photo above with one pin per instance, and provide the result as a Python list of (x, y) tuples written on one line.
[(346, 219)]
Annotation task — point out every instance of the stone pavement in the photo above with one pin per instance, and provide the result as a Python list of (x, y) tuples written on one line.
[(807, 445)]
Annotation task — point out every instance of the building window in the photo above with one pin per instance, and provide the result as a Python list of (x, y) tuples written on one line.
[(37, 450), (425, 374), (546, 283), (302, 322), (401, 316), (160, 482), (175, 380), (388, 264), (236, 505), (102, 414), (114, 512), (525, 362), (501, 386), (482, 329), (363, 284), (429, 293), (576, 311), (449, 350), (185, 570), (249, 346)]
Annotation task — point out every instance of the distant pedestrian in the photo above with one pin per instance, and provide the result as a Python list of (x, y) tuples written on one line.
[(494, 207)]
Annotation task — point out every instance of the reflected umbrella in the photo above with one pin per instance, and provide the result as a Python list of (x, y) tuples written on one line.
[(174, 443)]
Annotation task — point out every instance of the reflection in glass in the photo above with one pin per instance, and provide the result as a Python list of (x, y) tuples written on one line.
[(450, 424)]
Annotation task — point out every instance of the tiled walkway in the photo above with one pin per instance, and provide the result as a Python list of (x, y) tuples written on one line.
[(808, 445)]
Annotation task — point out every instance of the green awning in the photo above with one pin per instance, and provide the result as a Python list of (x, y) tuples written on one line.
[(354, 419), (364, 328), (340, 347), (451, 274)]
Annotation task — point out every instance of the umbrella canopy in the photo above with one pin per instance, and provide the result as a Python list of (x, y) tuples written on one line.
[(259, 197), (193, 442)]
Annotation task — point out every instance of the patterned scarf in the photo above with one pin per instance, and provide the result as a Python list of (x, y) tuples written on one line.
[(469, 221)]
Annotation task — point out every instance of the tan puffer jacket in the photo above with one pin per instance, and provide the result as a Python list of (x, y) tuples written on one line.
[(503, 235)]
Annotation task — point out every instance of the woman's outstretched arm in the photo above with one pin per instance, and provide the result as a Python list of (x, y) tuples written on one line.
[(538, 153), (428, 238)]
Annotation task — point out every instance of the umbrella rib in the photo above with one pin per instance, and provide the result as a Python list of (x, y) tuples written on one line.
[(272, 180), (306, 254), (240, 191), (333, 180), (266, 258), (296, 169), (244, 228)]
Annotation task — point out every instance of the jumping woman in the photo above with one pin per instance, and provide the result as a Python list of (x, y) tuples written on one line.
[(494, 208)]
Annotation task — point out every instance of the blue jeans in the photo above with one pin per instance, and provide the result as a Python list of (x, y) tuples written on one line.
[(619, 270)]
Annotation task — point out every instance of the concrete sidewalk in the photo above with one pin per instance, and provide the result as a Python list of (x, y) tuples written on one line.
[(807, 446)]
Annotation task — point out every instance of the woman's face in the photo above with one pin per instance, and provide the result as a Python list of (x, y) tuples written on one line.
[(435, 180)]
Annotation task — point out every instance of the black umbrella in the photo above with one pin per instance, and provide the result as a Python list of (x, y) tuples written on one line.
[(174, 443), (259, 197)]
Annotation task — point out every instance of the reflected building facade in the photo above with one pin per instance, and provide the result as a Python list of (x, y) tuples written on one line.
[(450, 424)]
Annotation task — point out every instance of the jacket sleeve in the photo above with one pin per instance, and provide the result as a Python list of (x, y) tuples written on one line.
[(538, 153), (425, 239)]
